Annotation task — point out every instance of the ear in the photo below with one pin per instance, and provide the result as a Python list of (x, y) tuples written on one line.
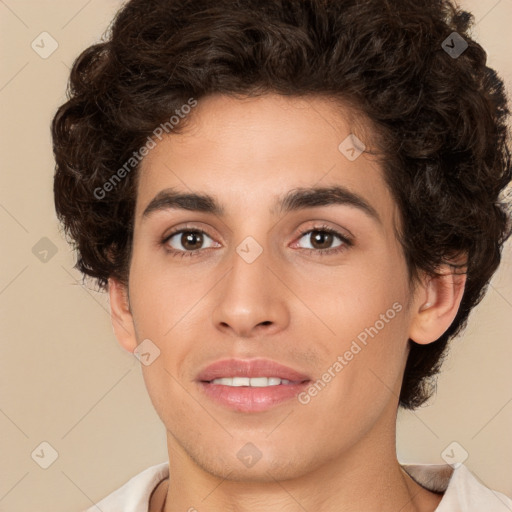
[(121, 316), (438, 300)]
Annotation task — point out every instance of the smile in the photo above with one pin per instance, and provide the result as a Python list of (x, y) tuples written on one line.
[(254, 382)]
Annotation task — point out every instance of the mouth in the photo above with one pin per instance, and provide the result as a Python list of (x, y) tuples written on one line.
[(253, 385), (253, 382)]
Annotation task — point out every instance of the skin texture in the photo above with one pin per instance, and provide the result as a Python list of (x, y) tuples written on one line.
[(299, 308)]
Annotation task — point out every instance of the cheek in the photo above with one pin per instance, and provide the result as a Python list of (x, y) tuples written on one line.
[(361, 375), (367, 312), (352, 299), (158, 298), (164, 305)]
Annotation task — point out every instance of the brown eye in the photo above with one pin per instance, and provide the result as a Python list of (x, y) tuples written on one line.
[(187, 240), (191, 240), (321, 239)]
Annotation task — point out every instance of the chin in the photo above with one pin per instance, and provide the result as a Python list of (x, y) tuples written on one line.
[(245, 467)]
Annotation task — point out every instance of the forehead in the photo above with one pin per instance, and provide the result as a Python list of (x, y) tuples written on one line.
[(248, 152)]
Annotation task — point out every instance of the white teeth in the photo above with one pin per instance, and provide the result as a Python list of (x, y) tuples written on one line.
[(260, 382), (255, 382)]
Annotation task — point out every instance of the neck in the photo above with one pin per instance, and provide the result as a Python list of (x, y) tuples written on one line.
[(365, 477)]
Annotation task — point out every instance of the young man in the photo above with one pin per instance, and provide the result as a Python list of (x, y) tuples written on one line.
[(294, 206)]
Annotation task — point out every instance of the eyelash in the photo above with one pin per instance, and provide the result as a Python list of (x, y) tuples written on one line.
[(347, 242)]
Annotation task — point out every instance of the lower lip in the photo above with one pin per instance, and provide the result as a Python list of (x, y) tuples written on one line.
[(251, 399)]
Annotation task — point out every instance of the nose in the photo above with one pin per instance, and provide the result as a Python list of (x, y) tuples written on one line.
[(251, 300)]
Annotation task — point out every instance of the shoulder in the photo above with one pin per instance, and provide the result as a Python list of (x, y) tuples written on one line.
[(134, 495)]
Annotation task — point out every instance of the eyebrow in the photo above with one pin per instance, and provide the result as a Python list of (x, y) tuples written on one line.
[(293, 200)]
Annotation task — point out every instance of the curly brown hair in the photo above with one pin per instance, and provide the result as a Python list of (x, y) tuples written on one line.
[(440, 120)]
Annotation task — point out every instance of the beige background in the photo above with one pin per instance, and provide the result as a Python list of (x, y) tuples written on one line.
[(64, 378)]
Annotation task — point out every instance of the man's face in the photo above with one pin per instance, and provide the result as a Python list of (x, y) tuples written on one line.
[(334, 308)]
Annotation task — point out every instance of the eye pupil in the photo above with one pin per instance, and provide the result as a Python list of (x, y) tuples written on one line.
[(322, 238), (189, 238)]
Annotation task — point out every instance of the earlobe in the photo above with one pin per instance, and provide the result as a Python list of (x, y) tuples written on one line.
[(121, 316), (437, 305)]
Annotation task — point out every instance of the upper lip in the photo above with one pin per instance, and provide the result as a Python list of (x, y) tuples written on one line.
[(249, 368)]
